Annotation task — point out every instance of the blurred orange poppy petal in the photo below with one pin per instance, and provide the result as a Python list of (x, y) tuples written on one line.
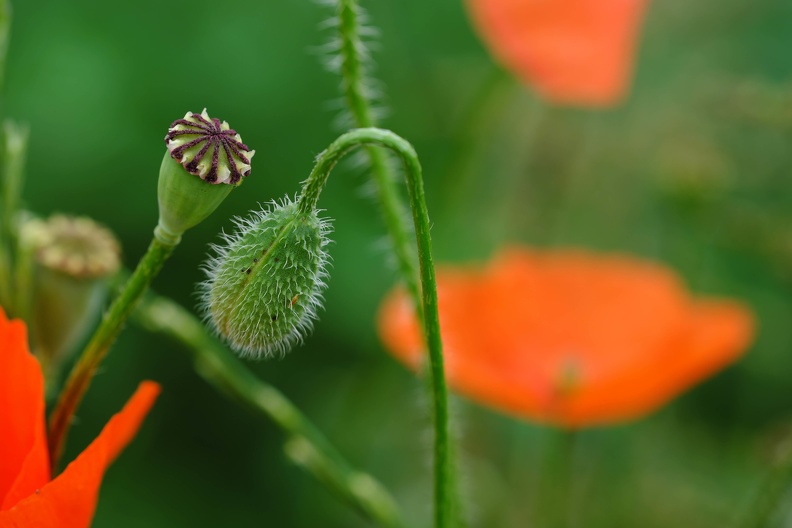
[(716, 333), (571, 51), (70, 499), (571, 338), (24, 464)]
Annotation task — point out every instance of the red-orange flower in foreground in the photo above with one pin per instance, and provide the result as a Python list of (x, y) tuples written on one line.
[(28, 498), (571, 51), (571, 338)]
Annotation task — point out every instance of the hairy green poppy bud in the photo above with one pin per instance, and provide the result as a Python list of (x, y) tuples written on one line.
[(264, 286), (205, 160), (73, 259)]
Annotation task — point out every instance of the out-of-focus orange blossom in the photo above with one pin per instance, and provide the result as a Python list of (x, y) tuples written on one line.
[(569, 337), (578, 52)]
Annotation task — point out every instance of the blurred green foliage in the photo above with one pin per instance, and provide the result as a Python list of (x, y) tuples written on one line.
[(693, 170)]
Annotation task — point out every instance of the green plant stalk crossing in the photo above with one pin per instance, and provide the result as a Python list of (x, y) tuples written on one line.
[(312, 188), (393, 212), (83, 371), (306, 445)]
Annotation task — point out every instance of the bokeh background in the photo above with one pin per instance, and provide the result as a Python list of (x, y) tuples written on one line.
[(692, 170)]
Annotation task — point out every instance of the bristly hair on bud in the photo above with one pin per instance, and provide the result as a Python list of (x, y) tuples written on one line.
[(209, 148), (264, 285)]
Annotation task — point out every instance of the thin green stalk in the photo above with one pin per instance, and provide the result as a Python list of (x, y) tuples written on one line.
[(83, 371), (772, 491), (353, 78), (15, 148), (5, 31), (306, 445), (8, 200), (6, 277), (444, 485), (556, 479), (15, 139), (494, 97)]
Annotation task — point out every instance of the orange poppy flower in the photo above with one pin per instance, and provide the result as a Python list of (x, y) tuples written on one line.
[(28, 497), (571, 338), (571, 51)]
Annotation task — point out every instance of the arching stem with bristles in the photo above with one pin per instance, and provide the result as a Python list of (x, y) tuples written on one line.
[(312, 188)]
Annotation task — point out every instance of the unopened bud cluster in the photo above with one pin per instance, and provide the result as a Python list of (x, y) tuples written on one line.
[(264, 286)]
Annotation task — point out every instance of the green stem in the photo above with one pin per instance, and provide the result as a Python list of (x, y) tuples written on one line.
[(7, 199), (556, 479), (16, 144), (5, 30), (353, 78), (443, 490), (83, 371), (494, 97), (772, 491), (12, 294), (306, 444)]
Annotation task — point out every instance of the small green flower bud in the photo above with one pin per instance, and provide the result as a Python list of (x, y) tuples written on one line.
[(204, 161), (73, 258), (264, 286)]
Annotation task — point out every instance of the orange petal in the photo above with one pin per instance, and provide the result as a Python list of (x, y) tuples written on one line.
[(571, 338), (24, 465), (571, 51), (716, 334), (401, 331), (69, 501)]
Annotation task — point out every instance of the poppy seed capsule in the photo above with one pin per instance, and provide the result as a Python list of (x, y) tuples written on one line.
[(73, 259), (205, 160), (265, 284)]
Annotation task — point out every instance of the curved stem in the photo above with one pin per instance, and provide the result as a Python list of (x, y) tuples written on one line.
[(306, 445), (443, 490), (83, 371), (354, 81)]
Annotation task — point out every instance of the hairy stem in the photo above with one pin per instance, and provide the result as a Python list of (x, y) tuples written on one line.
[(83, 371), (306, 445), (353, 80), (443, 490)]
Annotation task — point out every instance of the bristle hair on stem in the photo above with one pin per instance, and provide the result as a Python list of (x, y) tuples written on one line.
[(363, 38), (265, 281)]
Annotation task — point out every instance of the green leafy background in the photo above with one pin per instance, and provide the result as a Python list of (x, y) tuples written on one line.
[(692, 170)]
